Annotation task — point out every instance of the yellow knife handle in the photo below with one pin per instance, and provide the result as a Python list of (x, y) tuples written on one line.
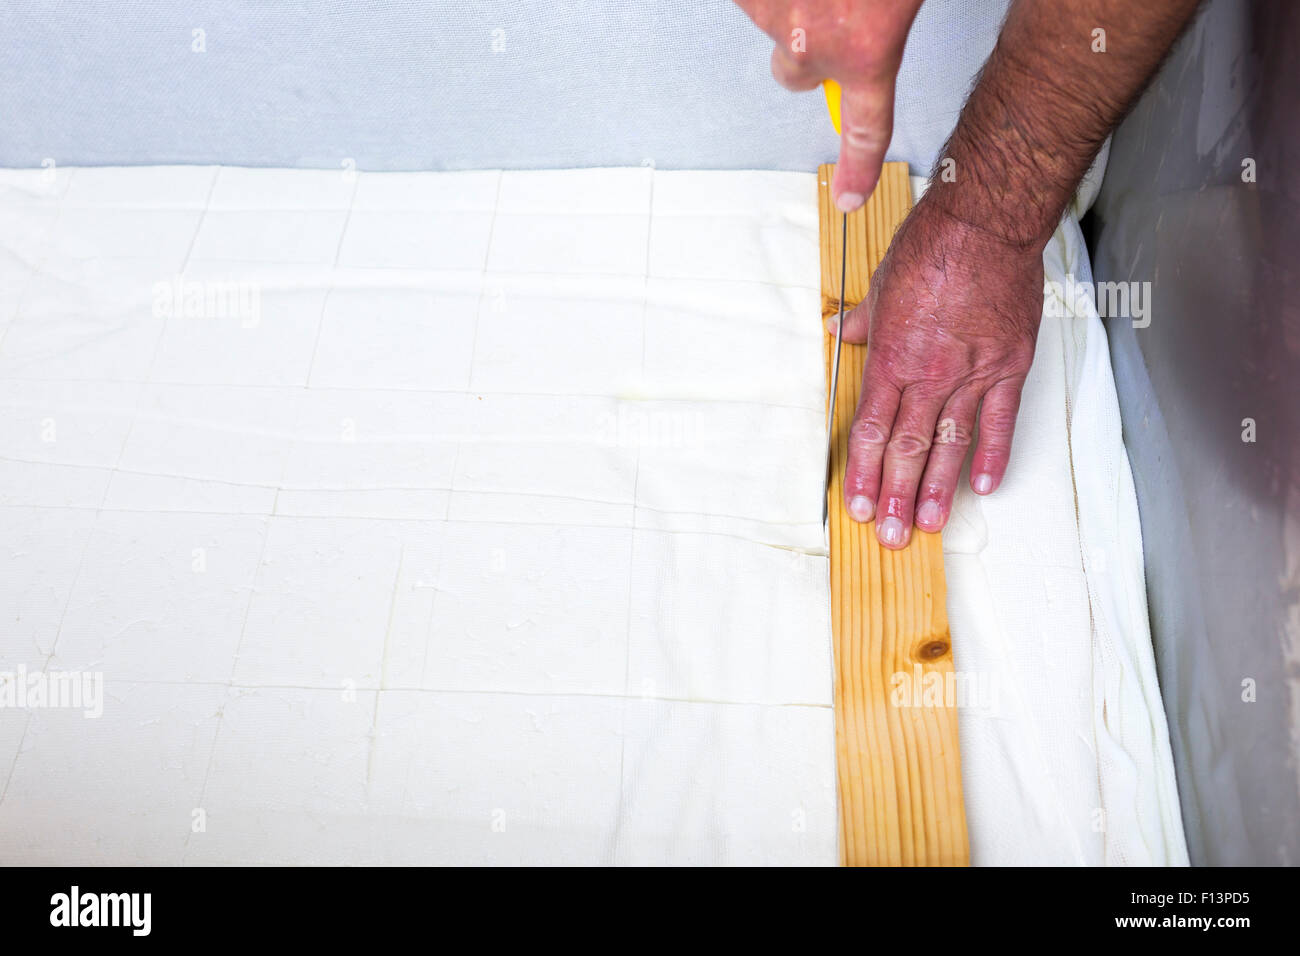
[(832, 90)]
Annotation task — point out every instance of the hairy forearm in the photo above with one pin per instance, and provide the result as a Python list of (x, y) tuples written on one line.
[(1045, 102)]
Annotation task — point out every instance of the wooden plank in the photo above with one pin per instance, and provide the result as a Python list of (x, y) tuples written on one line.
[(898, 764)]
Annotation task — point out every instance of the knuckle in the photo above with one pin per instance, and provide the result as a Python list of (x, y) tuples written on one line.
[(952, 433), (1022, 355), (997, 423), (908, 444), (866, 434), (866, 139)]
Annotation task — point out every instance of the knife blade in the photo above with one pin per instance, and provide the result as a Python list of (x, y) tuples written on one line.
[(832, 91), (835, 367)]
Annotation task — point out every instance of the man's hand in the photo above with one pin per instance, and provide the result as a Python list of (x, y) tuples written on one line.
[(952, 317), (857, 43), (953, 311)]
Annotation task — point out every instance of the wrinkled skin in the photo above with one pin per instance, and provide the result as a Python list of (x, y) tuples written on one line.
[(953, 311), (951, 320), (857, 43)]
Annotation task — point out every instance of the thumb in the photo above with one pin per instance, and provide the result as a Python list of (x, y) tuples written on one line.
[(866, 125), (857, 322), (792, 73)]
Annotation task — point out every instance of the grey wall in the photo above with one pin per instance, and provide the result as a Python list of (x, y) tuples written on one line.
[(441, 84), (1220, 517)]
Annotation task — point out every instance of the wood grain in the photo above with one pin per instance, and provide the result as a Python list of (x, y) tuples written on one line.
[(898, 762)]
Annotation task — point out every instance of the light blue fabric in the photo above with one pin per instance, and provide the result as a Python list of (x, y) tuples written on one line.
[(405, 84)]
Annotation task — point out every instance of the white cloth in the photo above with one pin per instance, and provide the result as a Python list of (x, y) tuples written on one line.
[(474, 517), (425, 518), (1065, 754)]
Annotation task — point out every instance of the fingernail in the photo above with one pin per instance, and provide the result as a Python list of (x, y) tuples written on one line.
[(982, 484), (929, 515), (891, 531), (862, 508), (847, 202), (831, 323)]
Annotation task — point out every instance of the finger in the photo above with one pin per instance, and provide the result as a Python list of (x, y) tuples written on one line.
[(997, 425), (866, 124), (868, 436), (905, 457), (952, 438), (792, 73), (857, 322)]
